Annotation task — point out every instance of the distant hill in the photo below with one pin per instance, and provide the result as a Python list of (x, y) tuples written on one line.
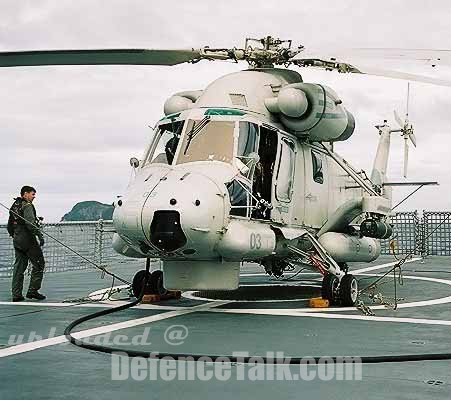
[(89, 211)]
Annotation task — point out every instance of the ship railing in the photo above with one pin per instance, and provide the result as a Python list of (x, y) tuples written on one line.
[(91, 239), (425, 235)]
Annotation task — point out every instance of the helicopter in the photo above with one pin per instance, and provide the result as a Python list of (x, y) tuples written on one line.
[(245, 170)]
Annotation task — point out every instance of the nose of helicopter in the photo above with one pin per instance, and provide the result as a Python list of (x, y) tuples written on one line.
[(184, 212)]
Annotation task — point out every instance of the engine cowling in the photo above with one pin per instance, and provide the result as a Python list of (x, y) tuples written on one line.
[(312, 111), (181, 101)]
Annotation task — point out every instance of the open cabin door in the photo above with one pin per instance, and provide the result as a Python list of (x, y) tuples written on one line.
[(284, 199)]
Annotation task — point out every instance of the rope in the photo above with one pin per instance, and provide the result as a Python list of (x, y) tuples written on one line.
[(99, 267), (397, 266)]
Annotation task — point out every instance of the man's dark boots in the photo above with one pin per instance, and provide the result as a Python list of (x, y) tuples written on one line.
[(35, 295)]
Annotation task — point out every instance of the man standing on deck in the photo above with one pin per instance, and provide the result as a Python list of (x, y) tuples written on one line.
[(27, 240)]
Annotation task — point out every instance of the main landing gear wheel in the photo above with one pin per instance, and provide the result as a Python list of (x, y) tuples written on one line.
[(329, 288), (348, 290)]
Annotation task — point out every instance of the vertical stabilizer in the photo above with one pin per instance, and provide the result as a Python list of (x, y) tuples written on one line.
[(379, 173)]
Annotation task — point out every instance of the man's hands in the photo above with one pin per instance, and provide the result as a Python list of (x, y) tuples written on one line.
[(41, 241)]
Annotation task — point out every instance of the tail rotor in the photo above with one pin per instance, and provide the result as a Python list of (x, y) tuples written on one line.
[(407, 132)]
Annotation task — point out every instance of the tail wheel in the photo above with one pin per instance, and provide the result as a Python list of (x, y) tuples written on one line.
[(348, 290), (329, 287), (138, 282), (156, 283)]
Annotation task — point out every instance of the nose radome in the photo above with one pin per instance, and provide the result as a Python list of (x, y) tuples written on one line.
[(166, 232)]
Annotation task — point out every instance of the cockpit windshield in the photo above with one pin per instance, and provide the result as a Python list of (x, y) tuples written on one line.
[(164, 145), (207, 140)]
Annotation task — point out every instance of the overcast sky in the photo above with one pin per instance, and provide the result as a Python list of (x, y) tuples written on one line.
[(70, 131)]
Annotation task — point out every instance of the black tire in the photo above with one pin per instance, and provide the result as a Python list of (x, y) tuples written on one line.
[(138, 281), (329, 287), (156, 283), (348, 290)]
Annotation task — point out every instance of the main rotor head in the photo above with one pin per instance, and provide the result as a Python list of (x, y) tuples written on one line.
[(258, 53)]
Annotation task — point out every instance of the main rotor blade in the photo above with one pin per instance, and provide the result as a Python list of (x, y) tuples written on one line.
[(358, 68), (402, 75), (97, 57), (431, 57)]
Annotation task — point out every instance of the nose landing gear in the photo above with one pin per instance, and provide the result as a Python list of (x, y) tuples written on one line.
[(154, 283), (344, 291)]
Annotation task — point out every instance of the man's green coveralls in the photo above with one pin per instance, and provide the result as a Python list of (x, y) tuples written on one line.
[(27, 249)]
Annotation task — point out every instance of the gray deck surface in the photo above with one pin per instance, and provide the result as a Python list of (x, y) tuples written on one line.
[(257, 327)]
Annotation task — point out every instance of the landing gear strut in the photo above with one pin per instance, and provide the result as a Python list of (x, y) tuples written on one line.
[(154, 283), (338, 286), (342, 291)]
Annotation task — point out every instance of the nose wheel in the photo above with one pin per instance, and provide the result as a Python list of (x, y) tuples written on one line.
[(344, 292), (154, 283)]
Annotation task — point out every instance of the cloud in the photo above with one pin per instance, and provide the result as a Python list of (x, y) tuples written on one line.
[(71, 130)]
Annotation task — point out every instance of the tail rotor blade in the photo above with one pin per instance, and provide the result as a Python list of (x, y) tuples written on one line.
[(408, 97), (413, 139), (406, 157), (398, 119)]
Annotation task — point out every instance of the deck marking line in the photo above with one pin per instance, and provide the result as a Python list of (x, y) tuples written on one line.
[(39, 344), (390, 264), (291, 313)]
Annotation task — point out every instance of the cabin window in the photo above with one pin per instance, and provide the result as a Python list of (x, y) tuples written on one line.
[(285, 173), (165, 143), (207, 140), (317, 167)]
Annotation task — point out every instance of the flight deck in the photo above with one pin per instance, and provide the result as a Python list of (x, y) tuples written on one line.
[(265, 316)]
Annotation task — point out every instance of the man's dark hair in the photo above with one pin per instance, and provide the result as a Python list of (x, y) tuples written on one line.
[(27, 189)]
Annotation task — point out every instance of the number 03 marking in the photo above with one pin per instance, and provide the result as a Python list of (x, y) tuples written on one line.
[(255, 241)]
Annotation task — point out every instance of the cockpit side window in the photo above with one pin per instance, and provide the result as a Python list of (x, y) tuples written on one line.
[(165, 143), (247, 140), (247, 150), (317, 167)]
